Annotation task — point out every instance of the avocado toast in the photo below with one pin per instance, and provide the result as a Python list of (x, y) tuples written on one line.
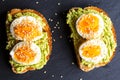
[(108, 36), (44, 42)]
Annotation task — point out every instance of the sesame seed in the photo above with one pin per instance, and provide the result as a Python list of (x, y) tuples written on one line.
[(45, 72), (52, 31), (3, 0), (37, 2), (81, 79), (56, 14), (54, 40), (61, 76), (60, 36), (55, 27), (58, 22), (58, 4), (73, 63), (58, 27), (53, 75), (49, 19)]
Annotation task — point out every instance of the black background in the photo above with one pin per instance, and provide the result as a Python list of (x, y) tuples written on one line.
[(62, 64)]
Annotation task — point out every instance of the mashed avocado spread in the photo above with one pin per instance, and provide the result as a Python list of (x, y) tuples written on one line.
[(42, 42), (107, 35)]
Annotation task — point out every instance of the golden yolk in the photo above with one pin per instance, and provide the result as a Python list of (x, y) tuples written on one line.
[(88, 23), (24, 54), (27, 30), (91, 51)]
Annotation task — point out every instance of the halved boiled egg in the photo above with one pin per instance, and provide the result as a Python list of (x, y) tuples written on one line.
[(26, 53), (90, 25), (93, 50), (26, 28)]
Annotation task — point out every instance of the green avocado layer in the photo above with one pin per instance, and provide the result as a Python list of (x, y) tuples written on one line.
[(106, 36), (42, 42)]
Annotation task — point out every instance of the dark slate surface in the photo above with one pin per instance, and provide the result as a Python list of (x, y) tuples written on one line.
[(62, 64)]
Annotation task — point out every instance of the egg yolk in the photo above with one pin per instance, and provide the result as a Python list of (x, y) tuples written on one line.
[(88, 23), (27, 30), (91, 51), (24, 54)]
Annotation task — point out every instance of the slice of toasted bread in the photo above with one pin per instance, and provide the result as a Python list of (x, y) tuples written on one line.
[(46, 28), (79, 60)]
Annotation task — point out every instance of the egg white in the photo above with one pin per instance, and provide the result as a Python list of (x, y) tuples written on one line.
[(33, 46), (19, 21), (91, 35), (96, 42)]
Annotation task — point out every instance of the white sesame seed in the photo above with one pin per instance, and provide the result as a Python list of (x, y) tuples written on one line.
[(61, 76), (58, 22), (51, 20), (55, 27), (58, 27), (60, 36), (53, 75), (3, 0), (37, 2), (54, 40), (52, 31), (73, 63), (45, 72), (58, 4), (81, 79), (56, 14)]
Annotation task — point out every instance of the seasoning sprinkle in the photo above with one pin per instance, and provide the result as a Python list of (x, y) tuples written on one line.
[(58, 27), (73, 63), (61, 76), (60, 36), (58, 22), (53, 75), (37, 2), (52, 31), (54, 40), (56, 14), (55, 27), (45, 72), (58, 4)]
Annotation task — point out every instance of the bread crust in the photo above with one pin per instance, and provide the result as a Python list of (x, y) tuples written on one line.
[(86, 68), (45, 29)]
